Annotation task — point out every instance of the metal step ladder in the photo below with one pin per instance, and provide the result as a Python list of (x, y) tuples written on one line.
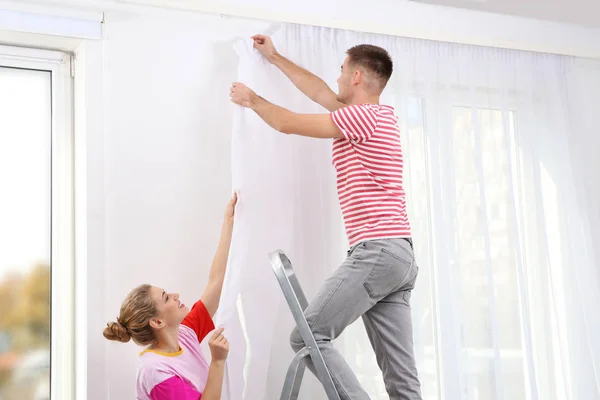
[(297, 302)]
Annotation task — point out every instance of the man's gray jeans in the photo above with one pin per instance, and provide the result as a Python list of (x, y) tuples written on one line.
[(375, 283)]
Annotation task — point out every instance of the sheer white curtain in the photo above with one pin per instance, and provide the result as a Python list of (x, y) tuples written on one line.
[(503, 205), (287, 201)]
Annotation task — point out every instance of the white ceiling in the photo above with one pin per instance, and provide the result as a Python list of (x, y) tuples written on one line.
[(580, 12)]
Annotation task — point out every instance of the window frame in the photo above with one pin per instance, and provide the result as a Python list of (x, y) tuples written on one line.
[(62, 211)]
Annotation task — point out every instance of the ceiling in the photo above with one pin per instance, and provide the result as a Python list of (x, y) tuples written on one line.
[(580, 12)]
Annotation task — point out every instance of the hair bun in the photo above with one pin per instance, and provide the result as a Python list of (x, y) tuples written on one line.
[(116, 331)]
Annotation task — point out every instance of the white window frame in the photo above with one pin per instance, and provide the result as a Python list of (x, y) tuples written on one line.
[(62, 346)]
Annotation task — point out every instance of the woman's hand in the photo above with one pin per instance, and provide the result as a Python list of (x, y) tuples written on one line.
[(219, 346), (230, 209), (216, 276)]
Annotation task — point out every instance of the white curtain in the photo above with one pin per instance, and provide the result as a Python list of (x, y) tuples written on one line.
[(504, 209), (288, 202)]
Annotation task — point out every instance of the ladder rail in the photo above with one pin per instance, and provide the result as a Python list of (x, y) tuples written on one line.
[(297, 303), (293, 378)]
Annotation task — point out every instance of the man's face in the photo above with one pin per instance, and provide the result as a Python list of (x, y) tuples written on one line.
[(345, 81)]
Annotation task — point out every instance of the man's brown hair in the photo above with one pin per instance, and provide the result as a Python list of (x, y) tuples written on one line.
[(374, 60)]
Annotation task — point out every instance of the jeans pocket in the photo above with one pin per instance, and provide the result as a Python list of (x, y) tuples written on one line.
[(388, 274)]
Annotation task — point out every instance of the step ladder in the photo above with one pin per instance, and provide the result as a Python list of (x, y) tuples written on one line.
[(297, 302)]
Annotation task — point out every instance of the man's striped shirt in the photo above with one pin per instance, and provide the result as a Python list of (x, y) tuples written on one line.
[(369, 166)]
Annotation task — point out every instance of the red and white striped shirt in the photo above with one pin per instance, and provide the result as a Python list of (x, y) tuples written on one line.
[(369, 166)]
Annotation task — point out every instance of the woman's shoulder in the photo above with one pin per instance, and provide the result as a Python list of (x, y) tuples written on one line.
[(187, 334), (152, 366), (151, 372), (188, 340)]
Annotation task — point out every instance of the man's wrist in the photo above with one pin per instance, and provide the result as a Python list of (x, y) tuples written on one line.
[(254, 100), (274, 58)]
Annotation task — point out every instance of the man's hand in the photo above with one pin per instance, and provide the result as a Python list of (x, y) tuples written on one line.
[(283, 120), (241, 95), (311, 85), (265, 46)]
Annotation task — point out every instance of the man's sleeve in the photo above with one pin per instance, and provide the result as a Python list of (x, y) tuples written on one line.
[(357, 122)]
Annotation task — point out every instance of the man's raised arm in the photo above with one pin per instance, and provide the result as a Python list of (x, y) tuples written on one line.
[(308, 83)]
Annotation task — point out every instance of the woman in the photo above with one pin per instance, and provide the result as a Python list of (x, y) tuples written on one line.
[(172, 366)]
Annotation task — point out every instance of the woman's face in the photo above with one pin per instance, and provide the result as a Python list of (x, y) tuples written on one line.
[(171, 311)]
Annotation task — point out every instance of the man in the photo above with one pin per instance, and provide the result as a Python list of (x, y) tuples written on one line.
[(376, 280)]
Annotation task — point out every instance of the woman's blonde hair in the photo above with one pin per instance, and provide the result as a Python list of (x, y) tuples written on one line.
[(134, 318)]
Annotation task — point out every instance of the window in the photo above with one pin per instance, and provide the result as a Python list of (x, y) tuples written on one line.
[(36, 225), (471, 315), (485, 256), (485, 324)]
